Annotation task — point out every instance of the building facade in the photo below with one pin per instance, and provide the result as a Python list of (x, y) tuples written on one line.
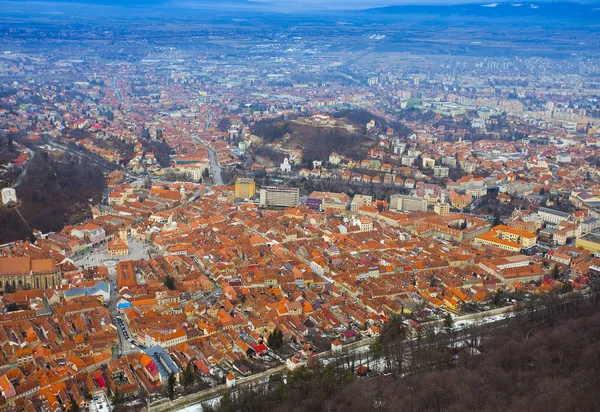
[(9, 195), (28, 273), (279, 197), (408, 203), (245, 188)]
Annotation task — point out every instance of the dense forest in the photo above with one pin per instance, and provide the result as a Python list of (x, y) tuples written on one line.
[(162, 151), (316, 141), (270, 129), (55, 191), (361, 117), (547, 357)]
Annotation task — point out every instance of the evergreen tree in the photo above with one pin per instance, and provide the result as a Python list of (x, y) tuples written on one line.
[(171, 385), (170, 282), (555, 272), (226, 401), (74, 407), (117, 397), (271, 340), (497, 219), (188, 375), (448, 322), (275, 339)]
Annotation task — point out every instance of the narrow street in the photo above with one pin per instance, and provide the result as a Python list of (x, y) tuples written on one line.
[(24, 172), (99, 257)]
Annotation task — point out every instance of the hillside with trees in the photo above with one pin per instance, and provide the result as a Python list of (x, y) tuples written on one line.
[(348, 136), (544, 358), (316, 141), (56, 191)]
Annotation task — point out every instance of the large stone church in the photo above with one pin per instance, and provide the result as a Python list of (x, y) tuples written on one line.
[(28, 273)]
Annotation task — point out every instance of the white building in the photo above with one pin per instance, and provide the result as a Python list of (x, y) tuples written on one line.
[(99, 403), (279, 196), (194, 172), (167, 340), (552, 216), (9, 194), (295, 362), (359, 201), (441, 171), (407, 203), (230, 380), (285, 167), (335, 159)]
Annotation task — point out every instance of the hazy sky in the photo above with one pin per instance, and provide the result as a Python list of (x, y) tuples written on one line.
[(279, 5), (346, 4), (363, 4)]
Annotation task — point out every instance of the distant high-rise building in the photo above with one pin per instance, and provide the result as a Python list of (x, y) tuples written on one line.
[(245, 188), (279, 196), (408, 203)]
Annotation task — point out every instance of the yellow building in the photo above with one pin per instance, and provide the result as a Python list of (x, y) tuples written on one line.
[(334, 208), (589, 242), (491, 240), (507, 238), (522, 237), (244, 188), (123, 233), (458, 200), (117, 247)]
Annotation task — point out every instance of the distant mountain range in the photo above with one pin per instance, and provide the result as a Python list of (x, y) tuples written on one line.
[(500, 9), (538, 12), (176, 4), (214, 4), (403, 7)]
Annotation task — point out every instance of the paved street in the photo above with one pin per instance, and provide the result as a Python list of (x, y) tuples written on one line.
[(215, 169), (137, 250)]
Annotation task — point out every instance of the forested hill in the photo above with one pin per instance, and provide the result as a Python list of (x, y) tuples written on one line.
[(56, 191), (545, 359)]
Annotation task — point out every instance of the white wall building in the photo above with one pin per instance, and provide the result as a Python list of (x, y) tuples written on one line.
[(9, 194), (552, 216)]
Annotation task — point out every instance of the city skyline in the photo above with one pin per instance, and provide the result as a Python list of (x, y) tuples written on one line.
[(299, 206)]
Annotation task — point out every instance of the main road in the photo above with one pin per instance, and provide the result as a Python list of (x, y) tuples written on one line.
[(215, 168), (120, 98)]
